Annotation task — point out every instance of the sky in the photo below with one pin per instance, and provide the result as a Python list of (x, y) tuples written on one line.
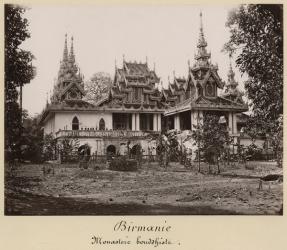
[(164, 34)]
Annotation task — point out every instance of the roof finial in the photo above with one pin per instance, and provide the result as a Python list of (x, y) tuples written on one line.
[(72, 56), (47, 98), (201, 41), (65, 53), (146, 60), (188, 63), (116, 63), (201, 26), (123, 58), (154, 66), (202, 56)]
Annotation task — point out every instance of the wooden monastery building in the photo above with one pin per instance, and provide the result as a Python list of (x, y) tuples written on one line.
[(136, 108)]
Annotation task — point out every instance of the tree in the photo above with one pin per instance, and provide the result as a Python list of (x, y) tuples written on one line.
[(31, 140), (97, 87), (68, 148), (168, 148), (211, 138), (49, 147), (18, 71), (257, 39), (197, 135)]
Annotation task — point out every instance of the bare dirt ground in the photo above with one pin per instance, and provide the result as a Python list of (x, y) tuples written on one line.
[(149, 191)]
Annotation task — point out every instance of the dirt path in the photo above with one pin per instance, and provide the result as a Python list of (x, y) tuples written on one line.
[(148, 192)]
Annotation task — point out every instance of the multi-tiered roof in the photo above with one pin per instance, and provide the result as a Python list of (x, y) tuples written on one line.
[(68, 88), (134, 87), (69, 84), (200, 90), (231, 91)]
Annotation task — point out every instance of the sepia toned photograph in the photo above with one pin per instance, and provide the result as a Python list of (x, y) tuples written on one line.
[(143, 109)]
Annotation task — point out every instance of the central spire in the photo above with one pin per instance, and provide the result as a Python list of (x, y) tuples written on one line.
[(201, 40), (201, 56)]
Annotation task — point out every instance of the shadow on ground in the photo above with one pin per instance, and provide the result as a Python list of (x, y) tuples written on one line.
[(22, 203)]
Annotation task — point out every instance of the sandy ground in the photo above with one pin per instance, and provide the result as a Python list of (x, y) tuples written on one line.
[(150, 190)]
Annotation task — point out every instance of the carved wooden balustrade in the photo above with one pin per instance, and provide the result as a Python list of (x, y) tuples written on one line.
[(104, 133)]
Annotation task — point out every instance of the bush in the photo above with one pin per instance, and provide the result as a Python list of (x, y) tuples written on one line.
[(254, 153), (123, 164)]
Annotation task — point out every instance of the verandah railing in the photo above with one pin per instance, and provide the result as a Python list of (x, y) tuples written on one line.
[(104, 133)]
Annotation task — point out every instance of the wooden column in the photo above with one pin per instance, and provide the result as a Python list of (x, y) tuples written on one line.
[(192, 120), (133, 121), (137, 122), (230, 123), (200, 117), (176, 122), (159, 122), (234, 123), (196, 118), (147, 121), (155, 125)]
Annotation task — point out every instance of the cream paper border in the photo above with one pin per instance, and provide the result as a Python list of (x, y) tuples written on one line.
[(193, 232)]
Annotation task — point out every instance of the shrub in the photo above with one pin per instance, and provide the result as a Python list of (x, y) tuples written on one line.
[(123, 164), (254, 153)]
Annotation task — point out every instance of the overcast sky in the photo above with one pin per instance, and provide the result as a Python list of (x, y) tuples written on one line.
[(166, 35)]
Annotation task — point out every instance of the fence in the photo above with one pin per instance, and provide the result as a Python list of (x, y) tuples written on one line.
[(104, 158)]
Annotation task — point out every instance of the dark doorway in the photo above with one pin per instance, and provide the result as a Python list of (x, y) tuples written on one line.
[(84, 150), (185, 120), (102, 124), (170, 122), (111, 150), (135, 150), (122, 121), (146, 122), (75, 123)]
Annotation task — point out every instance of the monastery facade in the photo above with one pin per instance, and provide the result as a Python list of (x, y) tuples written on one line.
[(135, 109)]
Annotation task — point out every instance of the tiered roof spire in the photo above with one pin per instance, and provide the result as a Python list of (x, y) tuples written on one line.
[(231, 81), (65, 53), (201, 56), (201, 40), (231, 90), (69, 72), (72, 55)]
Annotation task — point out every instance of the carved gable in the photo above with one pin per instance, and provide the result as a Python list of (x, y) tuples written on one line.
[(73, 93), (210, 88)]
